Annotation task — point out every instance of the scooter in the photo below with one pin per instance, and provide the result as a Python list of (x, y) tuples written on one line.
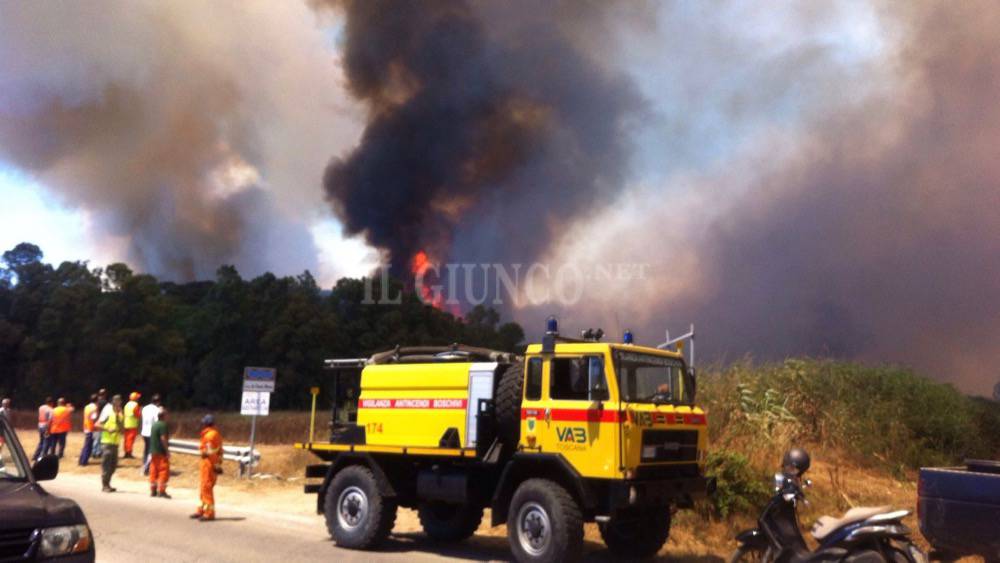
[(862, 535)]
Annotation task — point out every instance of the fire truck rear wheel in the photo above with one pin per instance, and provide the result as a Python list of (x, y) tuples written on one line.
[(357, 515), (544, 523), (508, 405), (449, 522), (637, 537)]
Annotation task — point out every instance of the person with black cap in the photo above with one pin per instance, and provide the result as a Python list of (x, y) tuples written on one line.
[(211, 467)]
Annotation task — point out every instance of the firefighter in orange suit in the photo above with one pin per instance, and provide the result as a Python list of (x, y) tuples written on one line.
[(132, 422), (211, 467)]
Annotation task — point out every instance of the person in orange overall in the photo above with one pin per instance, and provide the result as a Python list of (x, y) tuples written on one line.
[(211, 467), (60, 426), (159, 460), (132, 422)]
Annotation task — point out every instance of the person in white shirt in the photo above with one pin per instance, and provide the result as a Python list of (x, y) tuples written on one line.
[(150, 414)]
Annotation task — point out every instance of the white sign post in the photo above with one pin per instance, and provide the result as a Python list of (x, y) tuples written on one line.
[(258, 384)]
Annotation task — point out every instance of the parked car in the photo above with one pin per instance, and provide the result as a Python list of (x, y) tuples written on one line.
[(959, 509), (34, 525)]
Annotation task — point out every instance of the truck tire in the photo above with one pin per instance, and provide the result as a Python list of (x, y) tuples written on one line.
[(508, 405), (445, 522), (637, 538), (357, 515), (544, 523)]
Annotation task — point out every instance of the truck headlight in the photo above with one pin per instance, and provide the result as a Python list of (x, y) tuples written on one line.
[(64, 540)]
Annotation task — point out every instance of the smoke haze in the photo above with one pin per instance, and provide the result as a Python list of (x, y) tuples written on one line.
[(194, 134), (871, 230)]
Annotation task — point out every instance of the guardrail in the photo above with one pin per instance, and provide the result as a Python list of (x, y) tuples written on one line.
[(239, 454)]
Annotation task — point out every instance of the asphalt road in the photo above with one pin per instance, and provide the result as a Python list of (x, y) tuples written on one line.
[(131, 527)]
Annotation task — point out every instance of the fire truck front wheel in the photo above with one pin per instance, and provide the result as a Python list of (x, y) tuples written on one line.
[(357, 515), (544, 523), (449, 522)]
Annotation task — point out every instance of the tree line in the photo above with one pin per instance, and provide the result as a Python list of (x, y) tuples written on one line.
[(70, 329)]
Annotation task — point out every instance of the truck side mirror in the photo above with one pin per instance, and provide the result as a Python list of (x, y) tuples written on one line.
[(46, 468)]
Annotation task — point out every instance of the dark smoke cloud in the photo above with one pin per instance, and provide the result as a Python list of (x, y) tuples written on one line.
[(872, 231), (882, 241), (189, 132), (488, 129)]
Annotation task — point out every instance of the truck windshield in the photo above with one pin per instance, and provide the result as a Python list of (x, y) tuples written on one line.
[(645, 378), (12, 464)]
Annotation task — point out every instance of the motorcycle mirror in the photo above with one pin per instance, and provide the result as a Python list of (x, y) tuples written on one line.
[(779, 481)]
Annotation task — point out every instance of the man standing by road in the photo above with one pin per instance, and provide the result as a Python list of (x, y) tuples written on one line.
[(149, 416), (159, 462), (131, 423), (60, 427), (211, 467), (44, 421), (110, 424), (89, 418)]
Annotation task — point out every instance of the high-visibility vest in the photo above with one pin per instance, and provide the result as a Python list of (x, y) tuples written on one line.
[(60, 420), (44, 416), (111, 434), (211, 445), (89, 417), (131, 415)]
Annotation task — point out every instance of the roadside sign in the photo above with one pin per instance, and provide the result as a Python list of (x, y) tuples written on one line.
[(255, 403), (259, 379)]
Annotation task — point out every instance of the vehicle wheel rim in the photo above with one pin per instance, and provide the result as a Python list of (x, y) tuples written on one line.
[(534, 530), (352, 507)]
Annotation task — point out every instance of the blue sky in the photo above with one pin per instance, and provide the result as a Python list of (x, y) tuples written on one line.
[(30, 214)]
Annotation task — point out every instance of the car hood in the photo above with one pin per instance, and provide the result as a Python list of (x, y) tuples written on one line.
[(27, 505)]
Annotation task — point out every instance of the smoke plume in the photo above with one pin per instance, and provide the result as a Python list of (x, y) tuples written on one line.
[(869, 230), (488, 129), (192, 134)]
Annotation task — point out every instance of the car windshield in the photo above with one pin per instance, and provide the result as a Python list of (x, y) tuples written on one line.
[(645, 378), (12, 463)]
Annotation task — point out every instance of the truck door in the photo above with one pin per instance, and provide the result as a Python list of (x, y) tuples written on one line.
[(578, 420)]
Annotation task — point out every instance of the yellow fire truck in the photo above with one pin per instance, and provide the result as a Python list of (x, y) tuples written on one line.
[(573, 431)]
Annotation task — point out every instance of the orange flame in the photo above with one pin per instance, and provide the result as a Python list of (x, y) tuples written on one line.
[(419, 265)]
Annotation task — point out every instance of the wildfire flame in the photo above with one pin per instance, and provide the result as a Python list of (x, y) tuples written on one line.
[(419, 265)]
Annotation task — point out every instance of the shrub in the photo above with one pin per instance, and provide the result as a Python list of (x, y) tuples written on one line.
[(885, 413), (739, 489)]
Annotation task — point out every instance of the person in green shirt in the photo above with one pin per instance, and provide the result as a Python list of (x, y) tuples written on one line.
[(110, 425), (159, 456)]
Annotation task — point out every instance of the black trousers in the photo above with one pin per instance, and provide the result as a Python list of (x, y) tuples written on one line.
[(109, 463)]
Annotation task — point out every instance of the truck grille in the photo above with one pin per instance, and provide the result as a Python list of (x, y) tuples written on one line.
[(15, 544), (669, 445)]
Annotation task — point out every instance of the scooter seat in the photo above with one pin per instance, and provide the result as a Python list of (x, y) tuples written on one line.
[(826, 525)]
